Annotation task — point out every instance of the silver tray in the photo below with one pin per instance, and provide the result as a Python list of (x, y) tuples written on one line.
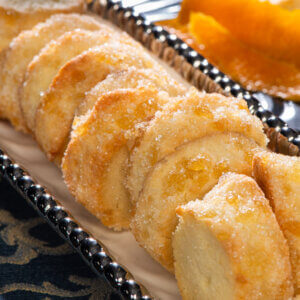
[(193, 67)]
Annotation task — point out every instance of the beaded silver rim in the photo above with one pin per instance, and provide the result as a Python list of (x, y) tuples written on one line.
[(91, 251), (196, 60)]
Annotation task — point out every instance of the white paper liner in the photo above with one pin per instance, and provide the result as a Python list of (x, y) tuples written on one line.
[(122, 246)]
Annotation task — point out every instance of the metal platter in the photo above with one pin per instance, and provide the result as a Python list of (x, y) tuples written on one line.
[(141, 13)]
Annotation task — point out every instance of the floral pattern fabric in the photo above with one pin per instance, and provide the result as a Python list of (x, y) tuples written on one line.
[(35, 263)]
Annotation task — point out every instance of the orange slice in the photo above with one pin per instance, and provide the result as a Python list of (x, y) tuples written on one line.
[(266, 27), (253, 69)]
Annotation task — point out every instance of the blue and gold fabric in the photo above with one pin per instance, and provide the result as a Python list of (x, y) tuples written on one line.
[(35, 263)]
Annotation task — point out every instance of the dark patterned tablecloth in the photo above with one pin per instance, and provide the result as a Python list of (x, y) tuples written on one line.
[(35, 263)]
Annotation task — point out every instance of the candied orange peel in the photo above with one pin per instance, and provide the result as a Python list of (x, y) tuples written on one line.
[(266, 27), (256, 70), (251, 68)]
